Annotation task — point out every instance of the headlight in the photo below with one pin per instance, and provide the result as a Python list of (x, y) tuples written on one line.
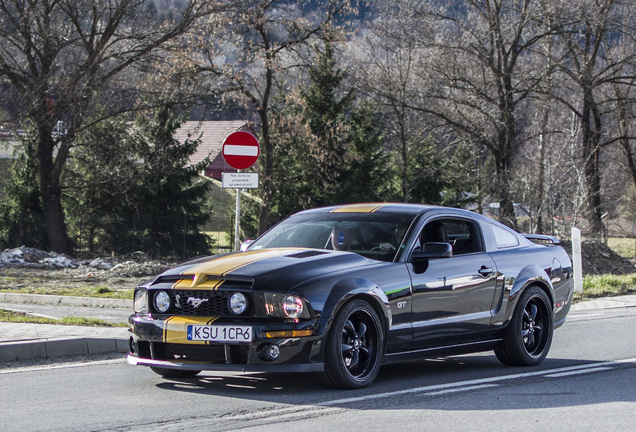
[(293, 306), (237, 303), (285, 306), (162, 301), (140, 303)]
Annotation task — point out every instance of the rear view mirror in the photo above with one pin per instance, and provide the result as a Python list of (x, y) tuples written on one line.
[(246, 244)]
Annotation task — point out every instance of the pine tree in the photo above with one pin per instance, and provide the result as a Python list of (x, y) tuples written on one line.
[(135, 190), (340, 156)]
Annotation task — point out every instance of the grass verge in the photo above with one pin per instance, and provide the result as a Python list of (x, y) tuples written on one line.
[(85, 291), (607, 286), (19, 317), (625, 247)]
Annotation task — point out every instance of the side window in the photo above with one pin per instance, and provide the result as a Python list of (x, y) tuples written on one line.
[(462, 234), (504, 238)]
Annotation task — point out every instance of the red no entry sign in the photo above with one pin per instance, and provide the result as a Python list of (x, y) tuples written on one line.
[(240, 150)]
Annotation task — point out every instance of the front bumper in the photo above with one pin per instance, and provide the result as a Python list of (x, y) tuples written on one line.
[(162, 342)]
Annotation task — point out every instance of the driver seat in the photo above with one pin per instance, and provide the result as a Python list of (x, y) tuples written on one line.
[(341, 239), (434, 232)]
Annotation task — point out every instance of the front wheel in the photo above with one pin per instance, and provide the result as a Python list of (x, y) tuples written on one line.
[(355, 347), (529, 335)]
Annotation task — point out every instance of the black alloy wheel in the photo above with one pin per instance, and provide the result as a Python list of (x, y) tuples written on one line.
[(355, 347), (529, 335)]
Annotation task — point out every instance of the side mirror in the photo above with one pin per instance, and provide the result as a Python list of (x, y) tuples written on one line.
[(433, 250), (245, 245)]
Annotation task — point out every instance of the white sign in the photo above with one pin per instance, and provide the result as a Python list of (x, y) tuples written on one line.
[(240, 180)]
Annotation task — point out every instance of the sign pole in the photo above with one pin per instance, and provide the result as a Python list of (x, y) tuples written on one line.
[(240, 150), (237, 223)]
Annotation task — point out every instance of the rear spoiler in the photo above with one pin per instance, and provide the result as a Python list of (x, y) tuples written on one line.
[(542, 238)]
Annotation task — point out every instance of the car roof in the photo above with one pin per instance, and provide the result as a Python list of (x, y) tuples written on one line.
[(405, 208), (412, 209)]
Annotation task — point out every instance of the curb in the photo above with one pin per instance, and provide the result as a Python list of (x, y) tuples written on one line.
[(66, 300), (49, 348)]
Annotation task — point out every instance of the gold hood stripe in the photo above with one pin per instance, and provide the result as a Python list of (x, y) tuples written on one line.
[(358, 208), (231, 263)]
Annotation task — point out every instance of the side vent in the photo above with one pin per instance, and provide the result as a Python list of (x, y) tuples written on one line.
[(173, 279), (306, 254)]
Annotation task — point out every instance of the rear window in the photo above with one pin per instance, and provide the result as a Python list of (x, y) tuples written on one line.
[(504, 238)]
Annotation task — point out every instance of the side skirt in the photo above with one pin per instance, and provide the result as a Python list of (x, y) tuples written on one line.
[(420, 354)]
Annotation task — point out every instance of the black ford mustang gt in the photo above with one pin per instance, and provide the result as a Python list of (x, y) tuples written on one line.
[(343, 290)]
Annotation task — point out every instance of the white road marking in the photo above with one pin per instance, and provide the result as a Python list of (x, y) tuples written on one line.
[(470, 383), (578, 372), (62, 366), (456, 390)]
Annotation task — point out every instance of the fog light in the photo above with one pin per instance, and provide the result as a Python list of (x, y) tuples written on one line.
[(273, 352)]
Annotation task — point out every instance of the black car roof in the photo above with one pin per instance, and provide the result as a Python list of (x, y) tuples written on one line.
[(412, 209), (405, 208)]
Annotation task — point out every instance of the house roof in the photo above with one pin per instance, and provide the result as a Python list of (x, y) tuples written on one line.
[(212, 134)]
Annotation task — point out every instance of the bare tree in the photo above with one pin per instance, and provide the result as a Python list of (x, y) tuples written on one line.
[(595, 66), (58, 55), (253, 49), (387, 73), (478, 73)]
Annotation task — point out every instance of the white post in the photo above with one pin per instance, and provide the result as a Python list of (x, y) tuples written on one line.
[(577, 260)]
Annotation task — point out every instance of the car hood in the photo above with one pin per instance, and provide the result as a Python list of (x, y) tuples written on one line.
[(271, 269)]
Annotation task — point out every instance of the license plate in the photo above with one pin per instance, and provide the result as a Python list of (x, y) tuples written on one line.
[(220, 333)]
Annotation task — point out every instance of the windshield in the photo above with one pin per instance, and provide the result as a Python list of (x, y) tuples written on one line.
[(373, 235)]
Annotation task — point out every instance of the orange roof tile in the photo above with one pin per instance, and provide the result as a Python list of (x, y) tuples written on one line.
[(212, 134)]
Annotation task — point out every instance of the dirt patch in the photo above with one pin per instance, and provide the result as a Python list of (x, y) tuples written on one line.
[(24, 267), (598, 259), (65, 282)]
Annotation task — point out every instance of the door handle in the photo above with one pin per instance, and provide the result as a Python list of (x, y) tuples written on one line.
[(485, 271)]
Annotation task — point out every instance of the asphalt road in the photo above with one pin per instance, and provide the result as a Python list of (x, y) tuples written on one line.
[(588, 382)]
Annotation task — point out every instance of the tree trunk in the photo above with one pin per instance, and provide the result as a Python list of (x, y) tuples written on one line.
[(268, 174), (591, 127), (507, 214), (506, 144), (51, 194)]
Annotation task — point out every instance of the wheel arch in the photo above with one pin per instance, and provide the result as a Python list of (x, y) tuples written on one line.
[(348, 290), (531, 275)]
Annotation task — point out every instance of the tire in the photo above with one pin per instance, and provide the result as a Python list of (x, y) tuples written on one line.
[(175, 373), (355, 347), (529, 334)]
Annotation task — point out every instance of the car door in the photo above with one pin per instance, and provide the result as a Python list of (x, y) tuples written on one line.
[(451, 296)]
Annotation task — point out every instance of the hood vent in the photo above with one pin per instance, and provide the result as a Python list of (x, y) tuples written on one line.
[(307, 254)]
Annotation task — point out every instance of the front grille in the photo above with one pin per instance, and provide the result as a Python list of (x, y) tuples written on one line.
[(236, 354), (204, 303)]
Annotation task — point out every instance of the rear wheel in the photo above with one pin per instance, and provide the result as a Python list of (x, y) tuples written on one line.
[(529, 335), (355, 347), (175, 373)]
